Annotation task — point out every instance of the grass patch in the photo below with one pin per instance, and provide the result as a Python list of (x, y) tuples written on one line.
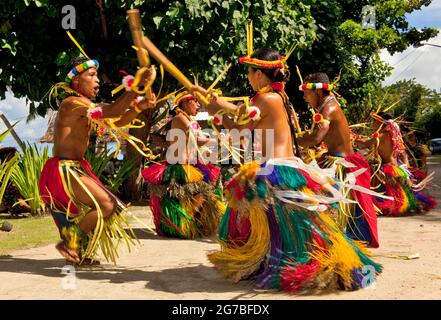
[(27, 233)]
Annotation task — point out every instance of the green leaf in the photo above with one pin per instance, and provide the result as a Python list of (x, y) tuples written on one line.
[(157, 21), (62, 59)]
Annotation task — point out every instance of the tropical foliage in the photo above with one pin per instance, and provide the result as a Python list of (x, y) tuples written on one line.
[(26, 175)]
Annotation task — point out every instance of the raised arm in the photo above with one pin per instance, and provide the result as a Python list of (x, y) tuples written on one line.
[(320, 131), (130, 114), (117, 108)]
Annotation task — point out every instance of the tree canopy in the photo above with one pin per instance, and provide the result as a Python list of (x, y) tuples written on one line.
[(201, 37)]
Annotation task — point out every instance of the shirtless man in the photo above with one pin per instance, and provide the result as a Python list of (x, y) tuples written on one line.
[(332, 128), (77, 198)]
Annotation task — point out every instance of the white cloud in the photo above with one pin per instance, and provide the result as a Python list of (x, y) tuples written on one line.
[(17, 110), (423, 64), (429, 16)]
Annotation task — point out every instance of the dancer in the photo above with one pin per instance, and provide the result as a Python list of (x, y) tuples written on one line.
[(185, 195), (394, 175), (277, 228), (87, 214), (331, 127)]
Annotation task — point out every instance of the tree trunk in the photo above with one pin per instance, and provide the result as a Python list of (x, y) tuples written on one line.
[(133, 185)]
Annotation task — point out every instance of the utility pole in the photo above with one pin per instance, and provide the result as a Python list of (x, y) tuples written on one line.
[(14, 134)]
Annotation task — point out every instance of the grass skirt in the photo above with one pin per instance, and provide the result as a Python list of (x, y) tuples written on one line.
[(285, 243), (57, 192), (185, 199)]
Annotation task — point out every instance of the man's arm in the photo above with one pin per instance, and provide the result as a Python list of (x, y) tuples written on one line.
[(316, 137), (115, 109), (131, 113), (366, 143)]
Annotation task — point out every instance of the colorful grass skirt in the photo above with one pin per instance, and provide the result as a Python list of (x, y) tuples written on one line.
[(186, 200), (278, 231)]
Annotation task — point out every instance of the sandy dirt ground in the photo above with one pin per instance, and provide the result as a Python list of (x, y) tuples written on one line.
[(164, 268)]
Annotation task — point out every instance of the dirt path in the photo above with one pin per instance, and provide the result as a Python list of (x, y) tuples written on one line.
[(178, 269)]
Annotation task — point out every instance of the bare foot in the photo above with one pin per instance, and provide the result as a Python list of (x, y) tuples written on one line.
[(85, 263), (69, 254), (89, 262)]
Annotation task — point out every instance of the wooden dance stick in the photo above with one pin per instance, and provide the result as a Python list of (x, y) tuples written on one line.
[(136, 30), (169, 66)]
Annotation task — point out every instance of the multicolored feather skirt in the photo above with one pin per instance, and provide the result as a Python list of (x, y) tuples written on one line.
[(278, 231), (186, 200), (396, 181)]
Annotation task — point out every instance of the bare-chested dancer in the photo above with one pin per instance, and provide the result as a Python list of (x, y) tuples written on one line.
[(331, 127), (274, 228), (395, 177), (185, 197), (83, 209)]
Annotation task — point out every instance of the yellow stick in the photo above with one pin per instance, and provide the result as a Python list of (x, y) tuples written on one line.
[(136, 30), (171, 68)]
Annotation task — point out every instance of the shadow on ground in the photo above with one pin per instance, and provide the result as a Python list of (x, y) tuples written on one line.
[(193, 278), (144, 234)]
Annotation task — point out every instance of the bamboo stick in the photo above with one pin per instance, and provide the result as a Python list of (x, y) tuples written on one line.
[(171, 68), (134, 18)]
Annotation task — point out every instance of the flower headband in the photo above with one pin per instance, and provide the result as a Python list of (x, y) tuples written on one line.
[(316, 85), (80, 68), (265, 64)]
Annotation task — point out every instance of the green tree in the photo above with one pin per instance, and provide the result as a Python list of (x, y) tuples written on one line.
[(409, 101), (343, 45), (200, 36)]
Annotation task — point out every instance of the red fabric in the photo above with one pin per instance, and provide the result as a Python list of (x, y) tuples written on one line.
[(365, 201), (311, 184), (235, 187), (51, 185)]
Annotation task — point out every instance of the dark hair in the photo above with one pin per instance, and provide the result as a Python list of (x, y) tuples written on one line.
[(75, 62), (275, 74), (317, 77), (7, 153), (385, 115)]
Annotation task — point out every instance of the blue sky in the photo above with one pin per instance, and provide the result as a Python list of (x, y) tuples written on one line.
[(427, 17), (422, 63)]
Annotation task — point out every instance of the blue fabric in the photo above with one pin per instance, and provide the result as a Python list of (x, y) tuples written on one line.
[(358, 228)]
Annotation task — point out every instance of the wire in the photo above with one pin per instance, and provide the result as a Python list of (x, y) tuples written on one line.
[(422, 52)]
